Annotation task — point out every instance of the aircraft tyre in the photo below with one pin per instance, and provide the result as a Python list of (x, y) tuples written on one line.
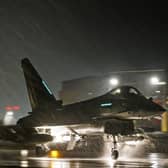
[(39, 151), (114, 154)]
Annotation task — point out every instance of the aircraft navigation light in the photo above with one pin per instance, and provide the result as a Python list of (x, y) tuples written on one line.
[(106, 104), (54, 154), (114, 81)]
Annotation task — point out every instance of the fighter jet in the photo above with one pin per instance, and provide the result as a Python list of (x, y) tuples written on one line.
[(112, 113)]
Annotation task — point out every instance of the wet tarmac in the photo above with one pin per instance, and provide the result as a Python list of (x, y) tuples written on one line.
[(152, 160)]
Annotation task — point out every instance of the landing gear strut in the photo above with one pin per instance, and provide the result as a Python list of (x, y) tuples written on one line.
[(114, 151)]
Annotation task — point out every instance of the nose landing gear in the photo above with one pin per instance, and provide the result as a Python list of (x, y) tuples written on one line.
[(41, 150), (114, 151), (114, 154)]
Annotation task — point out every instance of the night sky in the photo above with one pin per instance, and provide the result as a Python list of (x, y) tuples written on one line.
[(72, 39)]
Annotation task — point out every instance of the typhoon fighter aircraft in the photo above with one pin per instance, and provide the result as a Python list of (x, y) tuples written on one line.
[(112, 113)]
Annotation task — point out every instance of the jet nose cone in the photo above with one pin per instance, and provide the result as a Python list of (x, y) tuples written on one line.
[(159, 108), (154, 109)]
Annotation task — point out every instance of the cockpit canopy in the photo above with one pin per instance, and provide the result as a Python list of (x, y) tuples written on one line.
[(125, 91)]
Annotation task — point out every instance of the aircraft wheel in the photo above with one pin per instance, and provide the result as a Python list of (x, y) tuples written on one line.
[(39, 151), (115, 154)]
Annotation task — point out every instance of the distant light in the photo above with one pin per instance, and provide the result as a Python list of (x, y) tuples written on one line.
[(12, 108), (8, 108), (106, 104), (9, 118), (118, 91), (162, 83), (154, 80), (114, 81), (15, 108), (10, 113), (157, 91)]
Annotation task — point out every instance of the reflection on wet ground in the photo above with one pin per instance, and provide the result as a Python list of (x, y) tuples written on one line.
[(153, 160)]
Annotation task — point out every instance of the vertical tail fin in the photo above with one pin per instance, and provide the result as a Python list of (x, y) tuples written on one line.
[(40, 96)]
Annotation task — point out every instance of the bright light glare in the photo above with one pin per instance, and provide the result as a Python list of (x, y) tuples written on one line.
[(162, 83), (57, 138), (114, 81), (24, 163), (66, 138), (154, 80), (24, 153), (10, 113), (9, 118), (54, 154), (59, 164), (58, 134), (132, 142)]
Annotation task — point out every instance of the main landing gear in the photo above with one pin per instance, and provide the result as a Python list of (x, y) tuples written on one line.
[(114, 151)]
